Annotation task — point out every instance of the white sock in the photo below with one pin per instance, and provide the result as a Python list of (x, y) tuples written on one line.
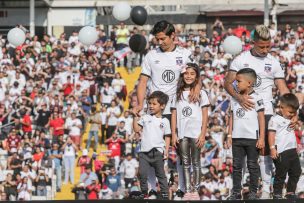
[(266, 172)]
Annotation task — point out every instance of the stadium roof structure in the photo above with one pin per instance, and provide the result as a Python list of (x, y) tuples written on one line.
[(181, 6)]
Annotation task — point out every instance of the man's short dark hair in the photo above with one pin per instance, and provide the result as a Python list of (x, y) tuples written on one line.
[(248, 72), (163, 26), (290, 100), (161, 97)]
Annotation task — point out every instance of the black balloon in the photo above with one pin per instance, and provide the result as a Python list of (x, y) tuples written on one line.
[(139, 15), (138, 43)]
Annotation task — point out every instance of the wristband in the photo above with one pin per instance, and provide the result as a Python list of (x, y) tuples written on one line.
[(229, 135), (272, 147)]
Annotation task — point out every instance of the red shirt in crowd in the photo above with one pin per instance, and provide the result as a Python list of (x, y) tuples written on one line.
[(13, 141), (67, 89), (57, 123), (114, 146), (94, 190), (83, 161), (27, 128)]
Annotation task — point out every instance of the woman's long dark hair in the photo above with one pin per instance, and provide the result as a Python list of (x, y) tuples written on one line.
[(181, 85)]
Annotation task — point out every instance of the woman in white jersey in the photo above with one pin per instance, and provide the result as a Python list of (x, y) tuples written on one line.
[(190, 119)]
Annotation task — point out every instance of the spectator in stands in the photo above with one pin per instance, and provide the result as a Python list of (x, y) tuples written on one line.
[(113, 181), (96, 122), (56, 156), (69, 152), (88, 177)]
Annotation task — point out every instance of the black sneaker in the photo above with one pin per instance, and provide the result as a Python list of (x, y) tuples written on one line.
[(152, 192), (235, 196), (277, 196), (252, 196), (291, 196), (179, 193)]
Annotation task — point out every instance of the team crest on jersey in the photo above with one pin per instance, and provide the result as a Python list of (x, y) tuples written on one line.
[(258, 81), (168, 76), (267, 68), (162, 125), (260, 102), (289, 129), (187, 111), (240, 112), (179, 61)]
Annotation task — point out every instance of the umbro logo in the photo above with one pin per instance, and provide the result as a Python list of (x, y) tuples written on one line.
[(156, 62)]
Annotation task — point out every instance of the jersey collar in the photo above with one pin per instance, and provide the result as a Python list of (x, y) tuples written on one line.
[(170, 51)]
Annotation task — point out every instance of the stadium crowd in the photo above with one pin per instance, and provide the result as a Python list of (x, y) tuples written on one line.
[(52, 88)]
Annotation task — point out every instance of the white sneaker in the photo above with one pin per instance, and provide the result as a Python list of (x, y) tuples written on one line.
[(265, 195)]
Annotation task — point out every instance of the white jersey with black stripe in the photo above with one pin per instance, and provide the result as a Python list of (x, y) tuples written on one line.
[(267, 69), (164, 69), (245, 122), (189, 114)]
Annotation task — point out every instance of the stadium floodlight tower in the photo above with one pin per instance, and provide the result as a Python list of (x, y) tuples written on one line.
[(32, 17)]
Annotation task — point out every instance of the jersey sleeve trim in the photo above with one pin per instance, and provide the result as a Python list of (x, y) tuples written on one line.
[(167, 135), (232, 70), (145, 75), (262, 109), (207, 105), (272, 130), (279, 78), (173, 108)]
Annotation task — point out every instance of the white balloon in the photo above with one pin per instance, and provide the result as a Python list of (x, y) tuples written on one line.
[(232, 45), (88, 35), (121, 11), (16, 36)]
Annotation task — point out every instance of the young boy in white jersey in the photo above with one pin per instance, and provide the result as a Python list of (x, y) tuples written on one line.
[(153, 147), (246, 134), (283, 147)]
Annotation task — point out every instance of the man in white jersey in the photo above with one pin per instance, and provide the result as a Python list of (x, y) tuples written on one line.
[(162, 67), (268, 72)]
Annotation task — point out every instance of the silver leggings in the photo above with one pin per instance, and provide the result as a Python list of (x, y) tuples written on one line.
[(189, 152)]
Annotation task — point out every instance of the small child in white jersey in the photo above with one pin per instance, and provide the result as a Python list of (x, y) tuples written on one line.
[(190, 120), (153, 148), (246, 134), (283, 147)]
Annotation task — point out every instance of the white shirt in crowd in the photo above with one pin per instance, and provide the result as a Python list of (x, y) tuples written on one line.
[(128, 123), (112, 113), (129, 168), (72, 125), (164, 68), (245, 123), (117, 84), (285, 137), (153, 131), (189, 115), (107, 95), (267, 69)]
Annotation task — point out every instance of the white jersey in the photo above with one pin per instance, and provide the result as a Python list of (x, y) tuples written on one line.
[(285, 137), (189, 115), (153, 131), (245, 123), (164, 69), (267, 69)]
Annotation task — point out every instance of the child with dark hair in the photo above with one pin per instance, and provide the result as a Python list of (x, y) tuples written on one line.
[(190, 120), (154, 128), (283, 147), (246, 134)]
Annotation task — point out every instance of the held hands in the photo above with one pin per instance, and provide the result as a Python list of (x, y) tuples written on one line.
[(260, 143), (274, 154), (245, 101), (200, 141)]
